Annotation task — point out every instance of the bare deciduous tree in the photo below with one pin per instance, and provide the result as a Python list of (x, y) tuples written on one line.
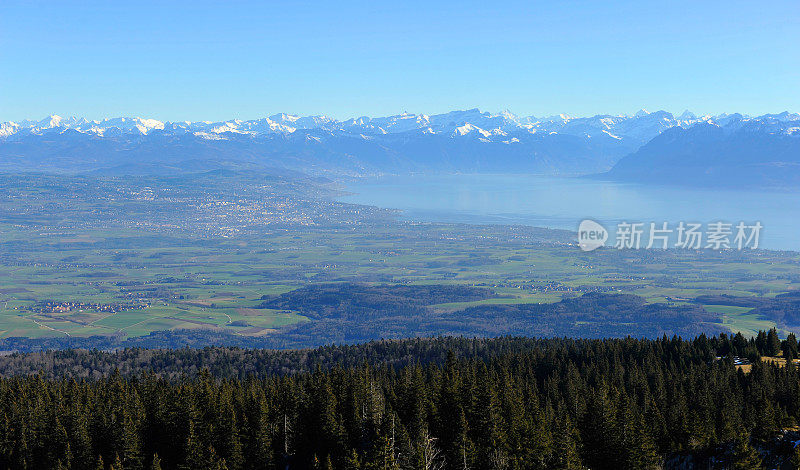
[(432, 458)]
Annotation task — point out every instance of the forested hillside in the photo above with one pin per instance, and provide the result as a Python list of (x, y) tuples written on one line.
[(420, 404)]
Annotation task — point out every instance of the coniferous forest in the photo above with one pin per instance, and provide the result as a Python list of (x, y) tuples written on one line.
[(442, 403)]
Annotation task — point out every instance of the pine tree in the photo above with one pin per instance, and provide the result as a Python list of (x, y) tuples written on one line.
[(739, 345), (322, 429), (195, 456), (745, 456), (229, 440), (789, 347), (129, 443), (642, 451), (352, 462), (565, 454), (794, 462), (156, 463), (214, 461), (602, 436), (260, 455), (80, 438), (117, 465), (382, 455), (773, 343)]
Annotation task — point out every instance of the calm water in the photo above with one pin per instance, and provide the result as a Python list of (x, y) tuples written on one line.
[(563, 202)]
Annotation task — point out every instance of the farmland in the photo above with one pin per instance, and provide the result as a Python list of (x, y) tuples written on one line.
[(109, 267)]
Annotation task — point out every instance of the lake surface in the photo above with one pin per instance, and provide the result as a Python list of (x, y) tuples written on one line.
[(559, 202)]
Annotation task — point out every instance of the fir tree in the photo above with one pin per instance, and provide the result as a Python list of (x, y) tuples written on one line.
[(745, 456)]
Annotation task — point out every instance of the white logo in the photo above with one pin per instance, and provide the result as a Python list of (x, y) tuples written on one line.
[(688, 236), (591, 235)]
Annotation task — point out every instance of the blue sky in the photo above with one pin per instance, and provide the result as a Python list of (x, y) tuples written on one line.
[(219, 60)]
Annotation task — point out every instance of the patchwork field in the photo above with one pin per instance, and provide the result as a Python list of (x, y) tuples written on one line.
[(84, 256), (123, 282)]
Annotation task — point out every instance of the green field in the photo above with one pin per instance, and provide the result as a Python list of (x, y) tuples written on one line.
[(739, 320), (83, 256), (205, 282)]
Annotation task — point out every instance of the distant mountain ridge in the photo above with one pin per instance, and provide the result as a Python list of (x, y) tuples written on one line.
[(643, 125), (739, 152), (458, 141)]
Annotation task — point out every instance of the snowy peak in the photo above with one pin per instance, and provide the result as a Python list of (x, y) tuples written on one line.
[(8, 128), (50, 121), (469, 129)]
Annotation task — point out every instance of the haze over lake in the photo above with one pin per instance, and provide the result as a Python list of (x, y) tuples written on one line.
[(560, 202)]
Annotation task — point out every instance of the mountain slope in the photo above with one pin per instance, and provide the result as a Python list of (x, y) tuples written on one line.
[(744, 153)]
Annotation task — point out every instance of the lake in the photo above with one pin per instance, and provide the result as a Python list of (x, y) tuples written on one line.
[(561, 202)]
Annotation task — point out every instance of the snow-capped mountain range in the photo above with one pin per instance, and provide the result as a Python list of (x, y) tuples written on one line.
[(641, 126), (458, 141)]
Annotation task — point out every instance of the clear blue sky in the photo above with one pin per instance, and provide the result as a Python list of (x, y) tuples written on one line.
[(218, 60)]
